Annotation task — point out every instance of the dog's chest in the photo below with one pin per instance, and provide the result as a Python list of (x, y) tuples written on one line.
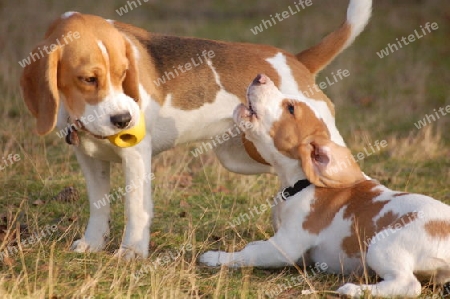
[(98, 149)]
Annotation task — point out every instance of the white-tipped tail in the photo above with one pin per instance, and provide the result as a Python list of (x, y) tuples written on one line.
[(358, 15), (320, 55), (68, 14)]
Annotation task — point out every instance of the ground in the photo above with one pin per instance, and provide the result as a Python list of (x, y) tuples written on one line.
[(200, 206)]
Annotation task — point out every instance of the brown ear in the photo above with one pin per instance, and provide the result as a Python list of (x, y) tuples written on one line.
[(40, 88), (131, 82), (327, 164)]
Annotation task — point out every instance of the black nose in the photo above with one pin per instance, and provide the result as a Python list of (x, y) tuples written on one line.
[(121, 120)]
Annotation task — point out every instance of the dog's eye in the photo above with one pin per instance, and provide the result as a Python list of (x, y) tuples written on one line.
[(89, 80), (291, 109)]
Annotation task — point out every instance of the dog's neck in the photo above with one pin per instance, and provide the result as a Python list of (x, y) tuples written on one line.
[(289, 173)]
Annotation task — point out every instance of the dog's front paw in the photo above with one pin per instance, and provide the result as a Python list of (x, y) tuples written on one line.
[(82, 245), (128, 253), (210, 258), (351, 290)]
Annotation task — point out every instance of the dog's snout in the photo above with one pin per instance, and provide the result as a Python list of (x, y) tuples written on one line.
[(260, 79), (122, 120)]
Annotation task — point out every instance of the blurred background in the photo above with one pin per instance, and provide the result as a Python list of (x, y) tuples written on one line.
[(382, 99)]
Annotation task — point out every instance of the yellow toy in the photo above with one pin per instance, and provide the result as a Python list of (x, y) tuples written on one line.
[(131, 136)]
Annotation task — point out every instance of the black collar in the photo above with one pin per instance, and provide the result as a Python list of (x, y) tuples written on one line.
[(291, 191)]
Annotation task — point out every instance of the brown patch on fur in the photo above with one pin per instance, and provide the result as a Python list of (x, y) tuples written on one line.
[(40, 89), (290, 130), (245, 61), (251, 150), (360, 207), (386, 219), (364, 229), (363, 234), (438, 228), (399, 222), (329, 201), (318, 56), (192, 88)]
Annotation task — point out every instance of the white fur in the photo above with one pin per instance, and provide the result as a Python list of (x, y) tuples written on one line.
[(358, 15), (288, 84), (68, 14)]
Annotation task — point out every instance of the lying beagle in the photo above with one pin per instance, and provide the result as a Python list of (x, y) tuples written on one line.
[(186, 89), (330, 211)]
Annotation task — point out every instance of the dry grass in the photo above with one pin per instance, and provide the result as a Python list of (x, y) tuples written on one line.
[(195, 197)]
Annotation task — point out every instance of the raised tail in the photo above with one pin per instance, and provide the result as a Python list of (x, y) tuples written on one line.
[(320, 55)]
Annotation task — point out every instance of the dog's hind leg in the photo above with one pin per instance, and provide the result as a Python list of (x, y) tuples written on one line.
[(394, 284), (443, 275), (395, 267)]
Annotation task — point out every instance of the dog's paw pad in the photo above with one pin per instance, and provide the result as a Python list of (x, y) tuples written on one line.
[(351, 290), (210, 258)]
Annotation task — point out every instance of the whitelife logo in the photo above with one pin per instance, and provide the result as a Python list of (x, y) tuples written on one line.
[(265, 24), (39, 53), (404, 41), (9, 161), (429, 118), (169, 75)]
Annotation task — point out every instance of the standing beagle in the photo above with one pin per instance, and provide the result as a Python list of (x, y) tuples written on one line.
[(113, 75)]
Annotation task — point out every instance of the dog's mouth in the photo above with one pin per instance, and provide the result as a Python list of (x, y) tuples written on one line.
[(251, 109)]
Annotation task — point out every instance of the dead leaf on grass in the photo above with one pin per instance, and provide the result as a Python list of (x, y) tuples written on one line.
[(38, 202), (23, 230), (8, 261), (221, 189), (184, 204), (68, 194), (183, 180)]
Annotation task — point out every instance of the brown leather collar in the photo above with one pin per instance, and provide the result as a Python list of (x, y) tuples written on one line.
[(72, 134)]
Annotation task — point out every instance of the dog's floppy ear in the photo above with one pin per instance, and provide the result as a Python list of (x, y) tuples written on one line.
[(131, 82), (327, 164), (40, 88)]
